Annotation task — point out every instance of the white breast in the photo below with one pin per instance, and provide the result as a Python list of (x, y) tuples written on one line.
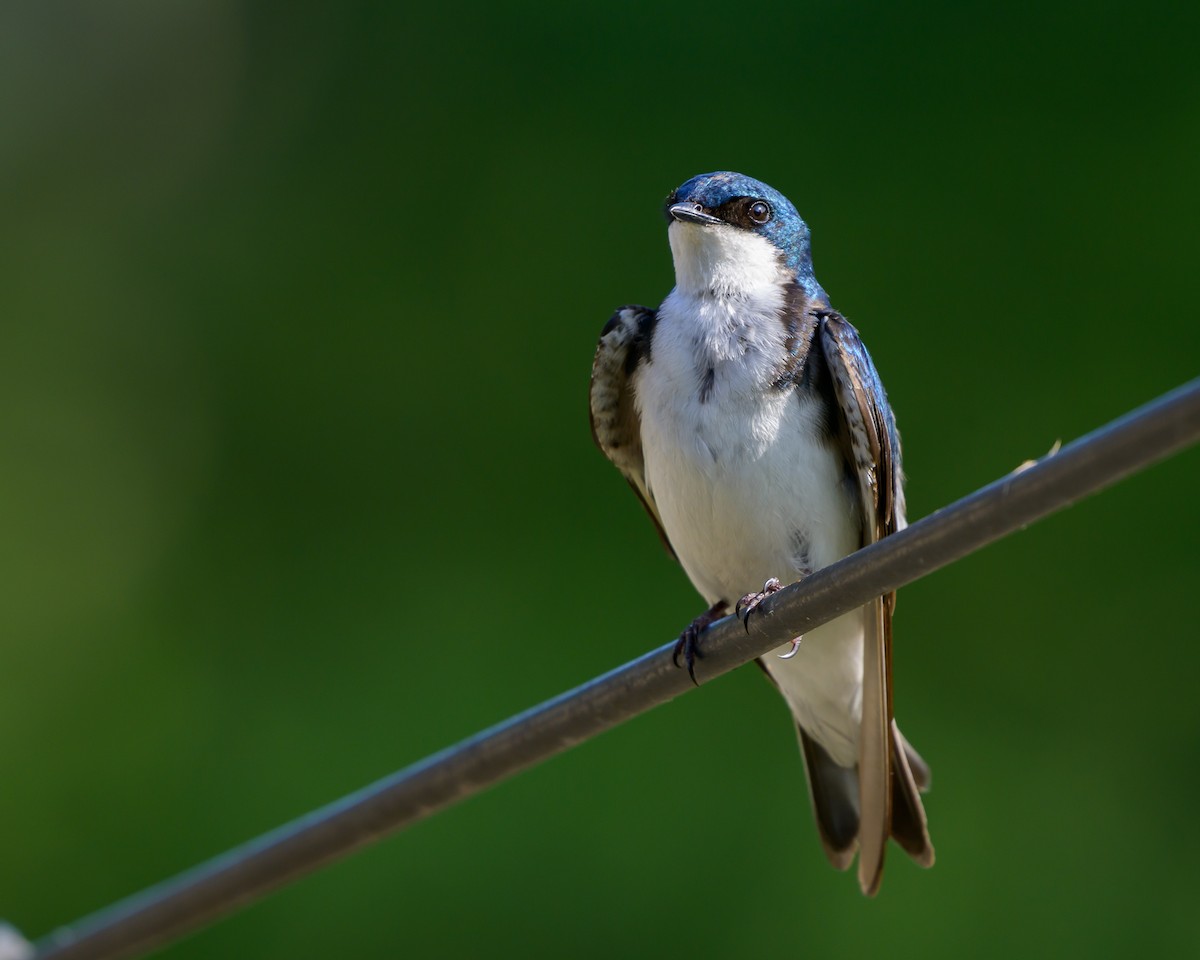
[(744, 480)]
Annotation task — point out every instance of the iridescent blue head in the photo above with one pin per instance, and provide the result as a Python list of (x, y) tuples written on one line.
[(725, 200)]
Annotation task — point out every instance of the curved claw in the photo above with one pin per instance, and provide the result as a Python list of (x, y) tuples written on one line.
[(795, 649), (747, 604), (688, 643)]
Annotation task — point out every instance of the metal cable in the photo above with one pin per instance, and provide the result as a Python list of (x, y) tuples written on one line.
[(246, 873)]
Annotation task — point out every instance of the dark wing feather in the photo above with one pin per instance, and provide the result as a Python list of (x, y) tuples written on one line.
[(873, 444), (624, 345), (872, 449)]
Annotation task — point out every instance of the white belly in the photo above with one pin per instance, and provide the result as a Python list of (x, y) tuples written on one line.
[(748, 488), (750, 496)]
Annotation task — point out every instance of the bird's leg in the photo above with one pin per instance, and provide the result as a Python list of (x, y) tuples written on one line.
[(687, 644), (746, 605)]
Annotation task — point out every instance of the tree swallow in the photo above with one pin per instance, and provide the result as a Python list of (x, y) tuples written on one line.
[(748, 417)]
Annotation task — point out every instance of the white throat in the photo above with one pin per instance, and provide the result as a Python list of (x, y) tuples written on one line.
[(723, 261)]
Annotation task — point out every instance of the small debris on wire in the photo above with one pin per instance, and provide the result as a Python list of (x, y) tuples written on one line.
[(1022, 467)]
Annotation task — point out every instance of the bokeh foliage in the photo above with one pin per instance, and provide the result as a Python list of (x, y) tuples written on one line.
[(295, 331)]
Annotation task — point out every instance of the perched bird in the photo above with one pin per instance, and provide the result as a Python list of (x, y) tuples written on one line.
[(748, 417)]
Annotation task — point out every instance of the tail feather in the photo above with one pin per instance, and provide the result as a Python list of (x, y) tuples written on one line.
[(910, 778), (834, 792)]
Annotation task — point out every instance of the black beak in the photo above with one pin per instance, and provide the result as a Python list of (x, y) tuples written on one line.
[(691, 213)]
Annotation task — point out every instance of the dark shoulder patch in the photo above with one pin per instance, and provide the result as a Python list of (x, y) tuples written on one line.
[(644, 321), (800, 317)]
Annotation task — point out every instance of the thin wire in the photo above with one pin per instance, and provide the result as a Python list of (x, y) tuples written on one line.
[(245, 874)]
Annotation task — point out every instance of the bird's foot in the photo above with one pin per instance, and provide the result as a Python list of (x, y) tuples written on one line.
[(688, 642), (746, 605)]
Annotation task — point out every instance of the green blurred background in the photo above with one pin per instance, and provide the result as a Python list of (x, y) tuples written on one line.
[(296, 322)]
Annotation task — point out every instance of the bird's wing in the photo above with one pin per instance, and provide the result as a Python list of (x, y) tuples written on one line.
[(872, 447), (616, 426)]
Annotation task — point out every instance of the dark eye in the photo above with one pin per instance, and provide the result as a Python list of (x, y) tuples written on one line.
[(760, 211)]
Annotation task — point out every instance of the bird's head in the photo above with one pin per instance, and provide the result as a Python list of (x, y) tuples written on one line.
[(732, 233)]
